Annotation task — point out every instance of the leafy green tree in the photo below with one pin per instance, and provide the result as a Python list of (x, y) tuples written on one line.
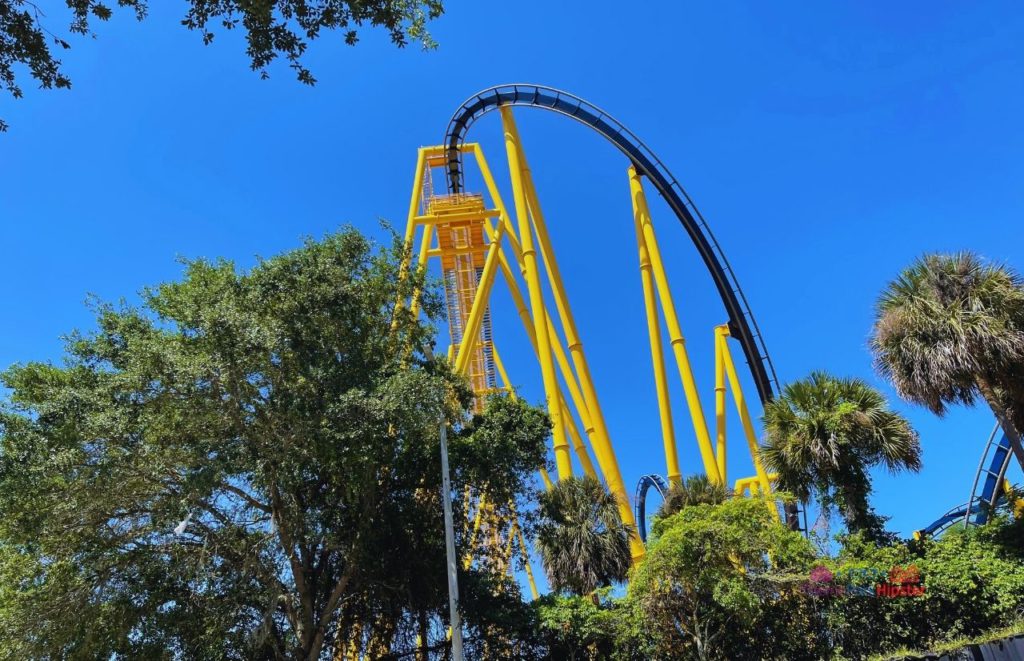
[(973, 582), (246, 466), (582, 541), (693, 490), (722, 582), (576, 628), (274, 28), (824, 433), (950, 330)]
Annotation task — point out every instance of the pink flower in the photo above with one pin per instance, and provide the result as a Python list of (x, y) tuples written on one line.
[(821, 574)]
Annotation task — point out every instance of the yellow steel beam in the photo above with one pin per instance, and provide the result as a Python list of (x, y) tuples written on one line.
[(414, 203), (700, 427), (748, 425), (668, 435), (517, 297), (481, 505), (570, 424), (421, 260), (471, 332), (434, 219), (720, 333), (602, 447), (526, 562), (577, 440), (533, 284)]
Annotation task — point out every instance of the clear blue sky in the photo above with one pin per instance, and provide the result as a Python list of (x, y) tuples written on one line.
[(827, 144)]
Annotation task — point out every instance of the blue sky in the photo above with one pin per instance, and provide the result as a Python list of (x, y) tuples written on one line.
[(827, 145)]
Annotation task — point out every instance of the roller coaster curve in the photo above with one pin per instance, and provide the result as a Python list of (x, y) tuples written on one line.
[(986, 490), (741, 320), (742, 324), (646, 483)]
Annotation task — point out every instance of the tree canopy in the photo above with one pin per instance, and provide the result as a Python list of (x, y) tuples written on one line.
[(245, 465), (950, 329), (824, 433), (275, 28)]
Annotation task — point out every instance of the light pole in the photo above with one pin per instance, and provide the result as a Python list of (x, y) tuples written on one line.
[(449, 539)]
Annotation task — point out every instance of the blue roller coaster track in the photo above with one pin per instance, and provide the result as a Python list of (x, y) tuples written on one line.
[(986, 490)]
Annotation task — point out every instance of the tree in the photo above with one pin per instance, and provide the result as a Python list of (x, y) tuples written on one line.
[(273, 28), (245, 466), (823, 434), (582, 540), (693, 490), (576, 628), (722, 582), (950, 329), (973, 582)]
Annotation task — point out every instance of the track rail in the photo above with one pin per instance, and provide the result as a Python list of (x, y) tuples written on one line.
[(986, 490), (646, 483), (742, 325)]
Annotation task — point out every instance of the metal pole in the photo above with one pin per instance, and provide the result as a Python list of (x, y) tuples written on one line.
[(449, 538)]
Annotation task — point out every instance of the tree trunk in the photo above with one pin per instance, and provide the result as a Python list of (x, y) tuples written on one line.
[(1010, 427), (424, 654)]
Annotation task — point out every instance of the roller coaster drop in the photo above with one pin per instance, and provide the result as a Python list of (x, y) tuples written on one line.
[(475, 238)]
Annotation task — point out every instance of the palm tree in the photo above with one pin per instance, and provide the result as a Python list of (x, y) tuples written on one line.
[(950, 329), (824, 433), (582, 540), (694, 490)]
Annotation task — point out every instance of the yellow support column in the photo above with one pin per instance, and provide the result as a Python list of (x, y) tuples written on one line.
[(570, 424), (748, 426), (481, 505), (602, 447), (668, 435), (700, 427), (421, 260), (577, 440), (721, 332), (524, 313), (410, 223), (526, 564), (533, 284)]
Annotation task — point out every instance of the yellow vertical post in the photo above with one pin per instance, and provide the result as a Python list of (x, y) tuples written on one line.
[(481, 505), (414, 202), (526, 563), (748, 425), (533, 284), (410, 233), (721, 332), (700, 427), (668, 435), (603, 450), (428, 235)]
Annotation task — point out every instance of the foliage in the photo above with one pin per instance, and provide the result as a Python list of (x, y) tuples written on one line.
[(576, 628), (950, 329), (273, 28), (693, 490), (246, 466), (973, 579), (581, 538), (824, 433), (721, 582)]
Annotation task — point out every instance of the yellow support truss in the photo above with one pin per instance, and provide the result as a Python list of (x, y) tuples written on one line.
[(477, 240)]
